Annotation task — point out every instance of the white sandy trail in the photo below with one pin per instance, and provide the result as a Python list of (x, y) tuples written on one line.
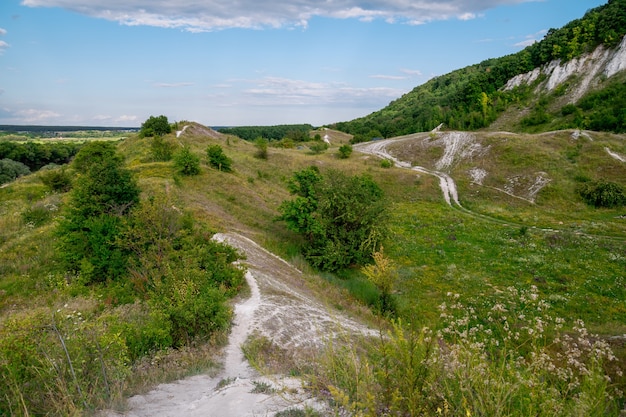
[(446, 183), (281, 309)]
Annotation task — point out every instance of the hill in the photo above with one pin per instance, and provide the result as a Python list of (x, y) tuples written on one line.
[(521, 223), (476, 96)]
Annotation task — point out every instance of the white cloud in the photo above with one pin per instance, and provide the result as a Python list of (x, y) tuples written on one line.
[(208, 15), (3, 31), (3, 46), (277, 91), (388, 77), (172, 85), (126, 118), (35, 115), (530, 39), (524, 44), (415, 73)]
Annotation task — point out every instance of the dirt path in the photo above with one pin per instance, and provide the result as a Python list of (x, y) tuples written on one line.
[(280, 308), (446, 183)]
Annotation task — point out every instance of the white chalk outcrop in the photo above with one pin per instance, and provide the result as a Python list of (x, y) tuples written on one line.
[(593, 66)]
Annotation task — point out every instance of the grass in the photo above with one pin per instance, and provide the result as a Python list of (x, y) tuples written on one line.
[(577, 264)]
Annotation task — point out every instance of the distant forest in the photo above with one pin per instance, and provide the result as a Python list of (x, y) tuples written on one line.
[(471, 98), (297, 133), (43, 129)]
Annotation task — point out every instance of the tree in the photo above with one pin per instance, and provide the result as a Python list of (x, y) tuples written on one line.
[(342, 218), (218, 159), (103, 195), (155, 126), (186, 162)]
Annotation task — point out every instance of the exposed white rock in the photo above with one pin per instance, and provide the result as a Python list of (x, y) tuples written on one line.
[(590, 66)]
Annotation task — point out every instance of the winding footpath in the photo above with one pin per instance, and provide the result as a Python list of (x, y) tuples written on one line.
[(280, 308)]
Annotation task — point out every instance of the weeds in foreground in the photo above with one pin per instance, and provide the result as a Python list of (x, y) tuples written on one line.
[(505, 358)]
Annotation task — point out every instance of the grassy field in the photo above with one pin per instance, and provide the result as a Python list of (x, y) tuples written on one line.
[(573, 254)]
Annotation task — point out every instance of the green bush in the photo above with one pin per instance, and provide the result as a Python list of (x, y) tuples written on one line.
[(103, 196), (318, 147), (261, 146), (57, 180), (10, 170), (218, 159), (186, 162), (602, 194), (345, 151), (161, 149), (386, 163), (341, 218)]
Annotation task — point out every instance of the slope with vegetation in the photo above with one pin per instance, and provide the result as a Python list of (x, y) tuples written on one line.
[(473, 97), (77, 336), (511, 303)]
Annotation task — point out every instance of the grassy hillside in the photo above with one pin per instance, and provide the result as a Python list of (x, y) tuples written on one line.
[(575, 255)]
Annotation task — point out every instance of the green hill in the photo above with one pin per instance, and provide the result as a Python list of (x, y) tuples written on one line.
[(474, 97)]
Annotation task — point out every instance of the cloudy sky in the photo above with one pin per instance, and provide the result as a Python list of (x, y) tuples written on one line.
[(245, 62)]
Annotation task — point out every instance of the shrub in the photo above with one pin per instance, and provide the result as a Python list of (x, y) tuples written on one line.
[(10, 170), (104, 194), (261, 146), (341, 217), (161, 149), (602, 194), (57, 180), (218, 159), (345, 151), (318, 147), (386, 163), (186, 162)]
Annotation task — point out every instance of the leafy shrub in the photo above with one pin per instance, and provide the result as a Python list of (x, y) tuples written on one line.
[(318, 147), (10, 170), (103, 195), (38, 214), (340, 217), (602, 194), (161, 149), (345, 151), (218, 159), (57, 180), (186, 162), (261, 146), (386, 163)]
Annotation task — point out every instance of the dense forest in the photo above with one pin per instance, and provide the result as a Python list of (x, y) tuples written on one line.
[(17, 159), (297, 133), (471, 97)]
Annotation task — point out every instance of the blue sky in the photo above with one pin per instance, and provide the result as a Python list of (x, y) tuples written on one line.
[(245, 62)]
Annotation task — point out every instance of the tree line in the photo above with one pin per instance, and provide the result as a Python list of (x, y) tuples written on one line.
[(296, 132)]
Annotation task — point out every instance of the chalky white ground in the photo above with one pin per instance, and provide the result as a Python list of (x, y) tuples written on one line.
[(280, 308)]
